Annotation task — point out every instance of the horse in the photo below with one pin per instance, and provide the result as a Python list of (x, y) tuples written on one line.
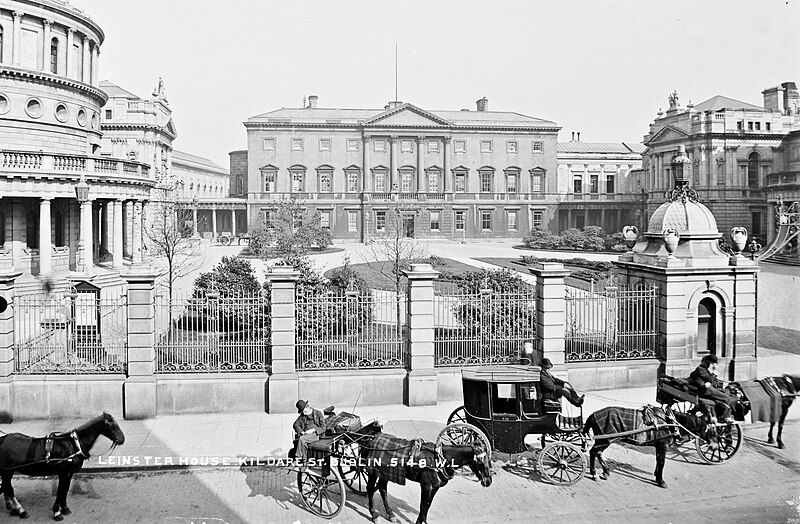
[(614, 420), (59, 454), (430, 479), (792, 385)]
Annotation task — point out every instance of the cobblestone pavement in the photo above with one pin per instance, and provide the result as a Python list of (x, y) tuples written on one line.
[(760, 484)]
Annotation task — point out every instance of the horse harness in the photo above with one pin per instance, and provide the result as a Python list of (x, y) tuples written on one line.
[(48, 447)]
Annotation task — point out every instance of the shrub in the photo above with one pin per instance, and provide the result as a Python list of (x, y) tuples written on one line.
[(573, 238), (541, 238), (231, 277)]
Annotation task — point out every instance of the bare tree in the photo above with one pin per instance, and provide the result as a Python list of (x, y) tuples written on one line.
[(394, 249), (169, 236)]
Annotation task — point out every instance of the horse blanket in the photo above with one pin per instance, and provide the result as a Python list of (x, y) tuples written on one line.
[(618, 420), (17, 449), (385, 447), (762, 408)]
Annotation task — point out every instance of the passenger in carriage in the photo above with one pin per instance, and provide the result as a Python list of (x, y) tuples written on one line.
[(704, 378), (554, 388), (307, 428)]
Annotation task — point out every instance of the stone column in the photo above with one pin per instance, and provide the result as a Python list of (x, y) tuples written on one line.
[(84, 73), (136, 246), (68, 63), (283, 388), (97, 239), (118, 238), (46, 46), (106, 225), (7, 278), (550, 314), (233, 223), (86, 237), (213, 223), (421, 186), (195, 232), (140, 385), (420, 387), (96, 65), (743, 321), (16, 38), (127, 214), (366, 178), (393, 163), (446, 165), (45, 238)]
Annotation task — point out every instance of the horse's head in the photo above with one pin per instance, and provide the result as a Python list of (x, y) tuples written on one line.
[(481, 464), (792, 381), (111, 430)]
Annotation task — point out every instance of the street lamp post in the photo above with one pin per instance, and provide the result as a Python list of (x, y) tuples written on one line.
[(82, 195)]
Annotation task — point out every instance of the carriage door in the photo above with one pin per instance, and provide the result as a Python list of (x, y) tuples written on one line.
[(505, 418), (707, 327)]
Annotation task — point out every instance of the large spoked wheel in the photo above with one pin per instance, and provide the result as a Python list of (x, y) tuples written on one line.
[(350, 468), (463, 434), (562, 463), (573, 437), (458, 415), (323, 496), (730, 438)]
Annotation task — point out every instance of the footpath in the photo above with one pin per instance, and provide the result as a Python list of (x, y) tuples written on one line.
[(233, 439)]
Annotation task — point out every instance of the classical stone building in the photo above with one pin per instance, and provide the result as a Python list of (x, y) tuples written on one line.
[(733, 146), (601, 185), (449, 174), (238, 173), (61, 202)]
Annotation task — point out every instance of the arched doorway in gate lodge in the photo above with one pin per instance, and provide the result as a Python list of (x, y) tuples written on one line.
[(707, 327)]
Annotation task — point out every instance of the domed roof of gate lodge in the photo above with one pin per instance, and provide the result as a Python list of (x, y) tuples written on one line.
[(684, 214)]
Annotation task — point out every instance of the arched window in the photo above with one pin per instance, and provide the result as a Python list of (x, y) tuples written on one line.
[(752, 171), (54, 55), (325, 179), (269, 176)]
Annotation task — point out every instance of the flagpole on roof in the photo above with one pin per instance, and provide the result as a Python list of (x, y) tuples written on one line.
[(395, 72)]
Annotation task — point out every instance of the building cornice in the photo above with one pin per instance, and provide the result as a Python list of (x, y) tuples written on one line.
[(47, 78), (412, 128), (62, 8), (744, 137)]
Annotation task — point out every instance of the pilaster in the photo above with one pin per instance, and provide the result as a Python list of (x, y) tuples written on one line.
[(283, 387), (140, 386), (7, 278), (420, 384), (551, 308)]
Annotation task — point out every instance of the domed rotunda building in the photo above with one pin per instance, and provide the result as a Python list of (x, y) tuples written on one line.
[(61, 203)]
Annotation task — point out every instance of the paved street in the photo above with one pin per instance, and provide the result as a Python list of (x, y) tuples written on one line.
[(756, 486)]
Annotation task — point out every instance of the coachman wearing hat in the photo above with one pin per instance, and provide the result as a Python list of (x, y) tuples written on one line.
[(308, 427), (704, 378), (554, 388)]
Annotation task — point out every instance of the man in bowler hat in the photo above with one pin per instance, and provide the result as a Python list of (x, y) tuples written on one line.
[(308, 427), (554, 388)]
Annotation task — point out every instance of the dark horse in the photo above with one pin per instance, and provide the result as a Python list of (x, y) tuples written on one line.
[(615, 420), (431, 479), (791, 383), (59, 454)]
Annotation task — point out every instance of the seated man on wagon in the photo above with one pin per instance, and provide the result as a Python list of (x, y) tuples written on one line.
[(307, 428), (554, 388), (704, 378)]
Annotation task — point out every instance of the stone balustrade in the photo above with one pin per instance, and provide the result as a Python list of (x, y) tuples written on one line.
[(30, 161)]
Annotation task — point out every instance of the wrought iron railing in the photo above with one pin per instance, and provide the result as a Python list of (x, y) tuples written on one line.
[(349, 330), (483, 327), (610, 324), (212, 333), (75, 333)]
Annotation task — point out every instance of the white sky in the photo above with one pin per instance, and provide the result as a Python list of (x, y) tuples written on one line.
[(600, 67)]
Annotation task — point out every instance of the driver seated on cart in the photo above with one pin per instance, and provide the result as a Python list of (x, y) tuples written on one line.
[(554, 388), (307, 428), (704, 378)]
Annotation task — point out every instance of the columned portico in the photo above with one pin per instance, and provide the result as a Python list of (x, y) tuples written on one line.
[(214, 222), (86, 235), (136, 255)]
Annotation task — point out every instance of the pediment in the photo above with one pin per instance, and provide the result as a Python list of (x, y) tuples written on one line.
[(406, 115), (668, 134)]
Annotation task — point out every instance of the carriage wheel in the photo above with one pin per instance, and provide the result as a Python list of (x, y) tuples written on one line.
[(458, 415), (562, 463), (463, 434), (323, 496), (352, 472), (730, 438), (572, 437)]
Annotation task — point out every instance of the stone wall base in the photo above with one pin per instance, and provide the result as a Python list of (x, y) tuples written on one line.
[(140, 398), (345, 389), (613, 375), (420, 388), (217, 393), (64, 396)]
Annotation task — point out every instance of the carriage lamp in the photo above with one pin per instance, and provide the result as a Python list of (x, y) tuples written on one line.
[(630, 234), (82, 191)]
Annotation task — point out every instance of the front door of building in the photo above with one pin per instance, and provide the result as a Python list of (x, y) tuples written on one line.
[(408, 226)]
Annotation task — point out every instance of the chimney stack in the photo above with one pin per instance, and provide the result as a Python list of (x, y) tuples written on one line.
[(579, 136), (483, 104), (312, 101), (573, 136)]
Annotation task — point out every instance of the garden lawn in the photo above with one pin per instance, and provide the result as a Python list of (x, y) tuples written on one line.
[(374, 273)]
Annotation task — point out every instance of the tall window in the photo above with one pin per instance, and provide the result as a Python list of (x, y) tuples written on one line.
[(352, 221), (380, 181), (512, 177), (537, 180), (577, 183), (53, 55), (406, 178), (433, 181), (325, 180), (325, 220), (268, 215), (460, 220), (380, 220), (511, 220), (610, 184), (752, 171), (460, 185), (486, 180), (435, 220), (595, 182), (536, 219), (298, 179), (352, 180), (240, 185), (486, 220), (270, 175)]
